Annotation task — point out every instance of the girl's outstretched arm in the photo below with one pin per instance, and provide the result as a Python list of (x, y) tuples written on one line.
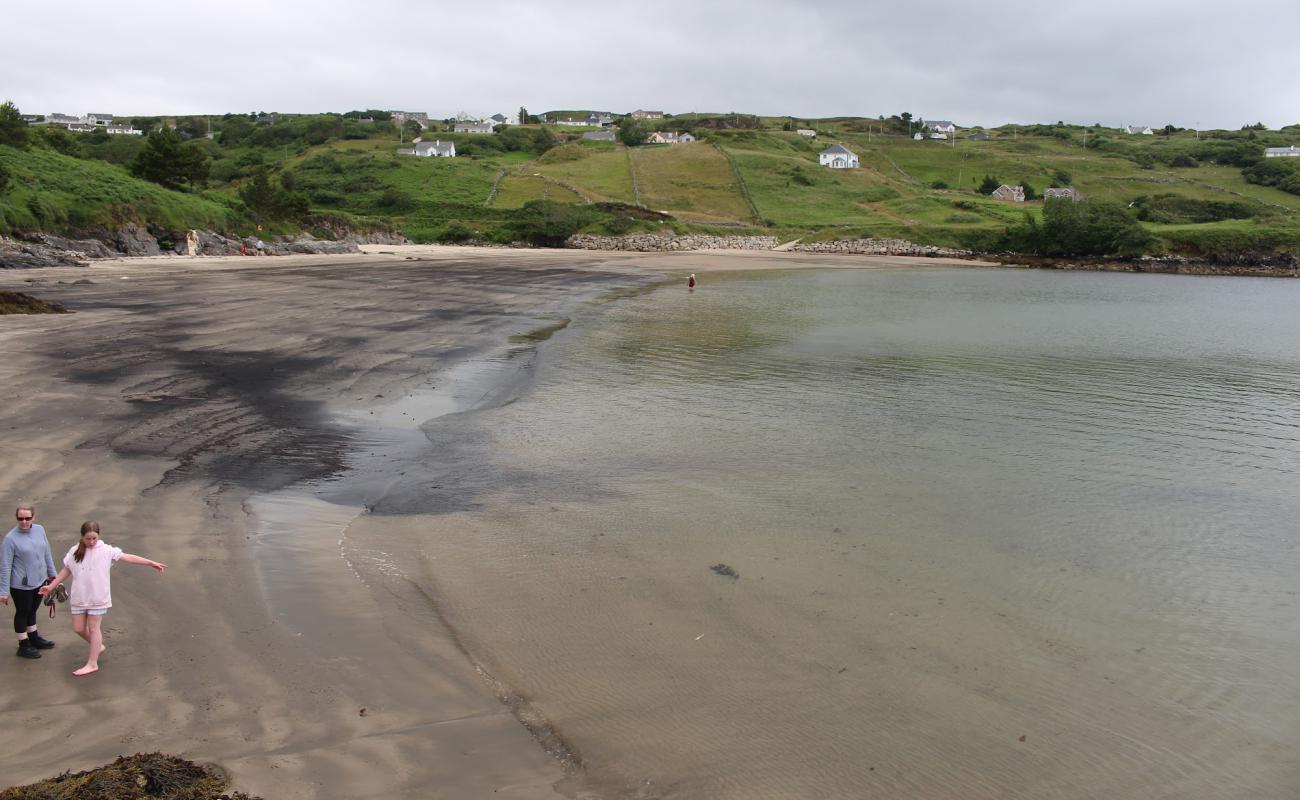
[(130, 559)]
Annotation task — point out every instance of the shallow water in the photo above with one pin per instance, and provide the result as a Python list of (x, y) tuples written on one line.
[(997, 533)]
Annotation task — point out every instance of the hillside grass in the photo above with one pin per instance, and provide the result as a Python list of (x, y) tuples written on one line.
[(51, 191), (693, 182)]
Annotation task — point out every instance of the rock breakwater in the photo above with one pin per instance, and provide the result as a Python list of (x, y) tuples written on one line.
[(647, 243)]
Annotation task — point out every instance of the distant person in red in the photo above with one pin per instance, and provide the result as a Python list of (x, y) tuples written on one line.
[(690, 282)]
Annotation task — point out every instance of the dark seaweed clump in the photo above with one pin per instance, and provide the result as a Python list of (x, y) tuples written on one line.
[(721, 569), (19, 303), (143, 776)]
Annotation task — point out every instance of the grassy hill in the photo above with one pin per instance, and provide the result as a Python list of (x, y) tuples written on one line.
[(745, 173), (52, 191)]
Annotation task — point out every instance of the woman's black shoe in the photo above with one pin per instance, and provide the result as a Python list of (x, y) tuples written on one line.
[(25, 650)]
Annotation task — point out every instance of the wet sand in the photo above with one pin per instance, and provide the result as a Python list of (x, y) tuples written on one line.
[(178, 406)]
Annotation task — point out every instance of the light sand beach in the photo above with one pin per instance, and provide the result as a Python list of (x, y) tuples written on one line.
[(181, 390)]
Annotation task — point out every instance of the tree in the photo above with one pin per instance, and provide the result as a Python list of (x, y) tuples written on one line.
[(412, 128), (633, 132), (167, 161), (1030, 192), (13, 130), (266, 201), (989, 185), (523, 116)]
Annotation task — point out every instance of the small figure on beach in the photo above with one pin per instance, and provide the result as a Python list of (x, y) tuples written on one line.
[(690, 282), (261, 247), (25, 564), (88, 564)]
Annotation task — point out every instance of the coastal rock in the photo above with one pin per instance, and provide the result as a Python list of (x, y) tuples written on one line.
[(879, 247), (86, 248), (646, 243), (132, 240), (32, 255)]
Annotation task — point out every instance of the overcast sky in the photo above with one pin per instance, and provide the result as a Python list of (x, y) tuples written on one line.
[(1191, 63)]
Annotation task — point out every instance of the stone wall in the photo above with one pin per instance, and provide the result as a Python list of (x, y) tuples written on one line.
[(879, 247), (656, 243)]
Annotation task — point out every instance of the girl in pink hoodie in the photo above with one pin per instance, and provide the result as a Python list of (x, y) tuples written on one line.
[(88, 563)]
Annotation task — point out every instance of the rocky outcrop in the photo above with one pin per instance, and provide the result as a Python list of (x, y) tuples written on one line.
[(879, 247), (646, 243), (31, 255), (132, 240)]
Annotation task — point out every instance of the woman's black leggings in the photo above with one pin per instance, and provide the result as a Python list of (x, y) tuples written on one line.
[(26, 603)]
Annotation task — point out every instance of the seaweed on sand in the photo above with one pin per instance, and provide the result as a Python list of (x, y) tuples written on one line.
[(143, 776)]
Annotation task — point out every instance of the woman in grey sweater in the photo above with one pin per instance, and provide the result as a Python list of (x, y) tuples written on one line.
[(25, 564)]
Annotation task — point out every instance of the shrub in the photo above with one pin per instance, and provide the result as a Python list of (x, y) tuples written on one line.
[(1088, 228)]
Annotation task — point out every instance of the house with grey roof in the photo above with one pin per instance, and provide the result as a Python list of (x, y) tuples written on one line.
[(498, 119), (941, 125), (434, 149), (669, 137), (1140, 129), (978, 136), (837, 156), (640, 114), (101, 120), (1282, 152), (1012, 194), (1061, 194), (124, 130), (62, 119), (473, 127), (599, 136)]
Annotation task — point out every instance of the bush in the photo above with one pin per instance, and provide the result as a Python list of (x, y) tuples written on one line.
[(546, 223), (1088, 228), (1183, 160), (1173, 209)]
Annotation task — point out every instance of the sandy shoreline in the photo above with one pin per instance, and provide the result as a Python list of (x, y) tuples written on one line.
[(184, 387)]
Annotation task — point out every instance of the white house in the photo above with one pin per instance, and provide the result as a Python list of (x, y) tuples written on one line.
[(639, 114), (473, 127), (669, 137), (599, 136), (938, 135), (99, 120), (918, 136), (576, 123), (125, 130), (806, 132), (941, 125), (1141, 129), (1282, 152), (498, 119), (1014, 194), (838, 156), (62, 119), (437, 148)]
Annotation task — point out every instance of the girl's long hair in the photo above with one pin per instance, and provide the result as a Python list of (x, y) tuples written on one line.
[(86, 527)]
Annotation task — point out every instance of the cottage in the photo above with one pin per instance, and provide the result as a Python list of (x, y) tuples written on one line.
[(1012, 194), (918, 136), (979, 136), (62, 119), (473, 127), (98, 120), (125, 130), (1140, 129), (434, 149), (937, 135), (669, 137), (572, 122), (1061, 194), (400, 117), (838, 157), (1282, 152), (498, 119), (599, 136), (81, 127), (639, 114), (806, 132), (941, 125)]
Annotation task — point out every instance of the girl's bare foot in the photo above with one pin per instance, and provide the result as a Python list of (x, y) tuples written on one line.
[(102, 648), (86, 670)]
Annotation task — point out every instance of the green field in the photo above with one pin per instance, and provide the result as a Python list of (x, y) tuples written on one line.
[(1188, 188)]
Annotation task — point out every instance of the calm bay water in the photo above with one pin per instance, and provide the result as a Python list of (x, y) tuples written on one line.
[(1004, 534)]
